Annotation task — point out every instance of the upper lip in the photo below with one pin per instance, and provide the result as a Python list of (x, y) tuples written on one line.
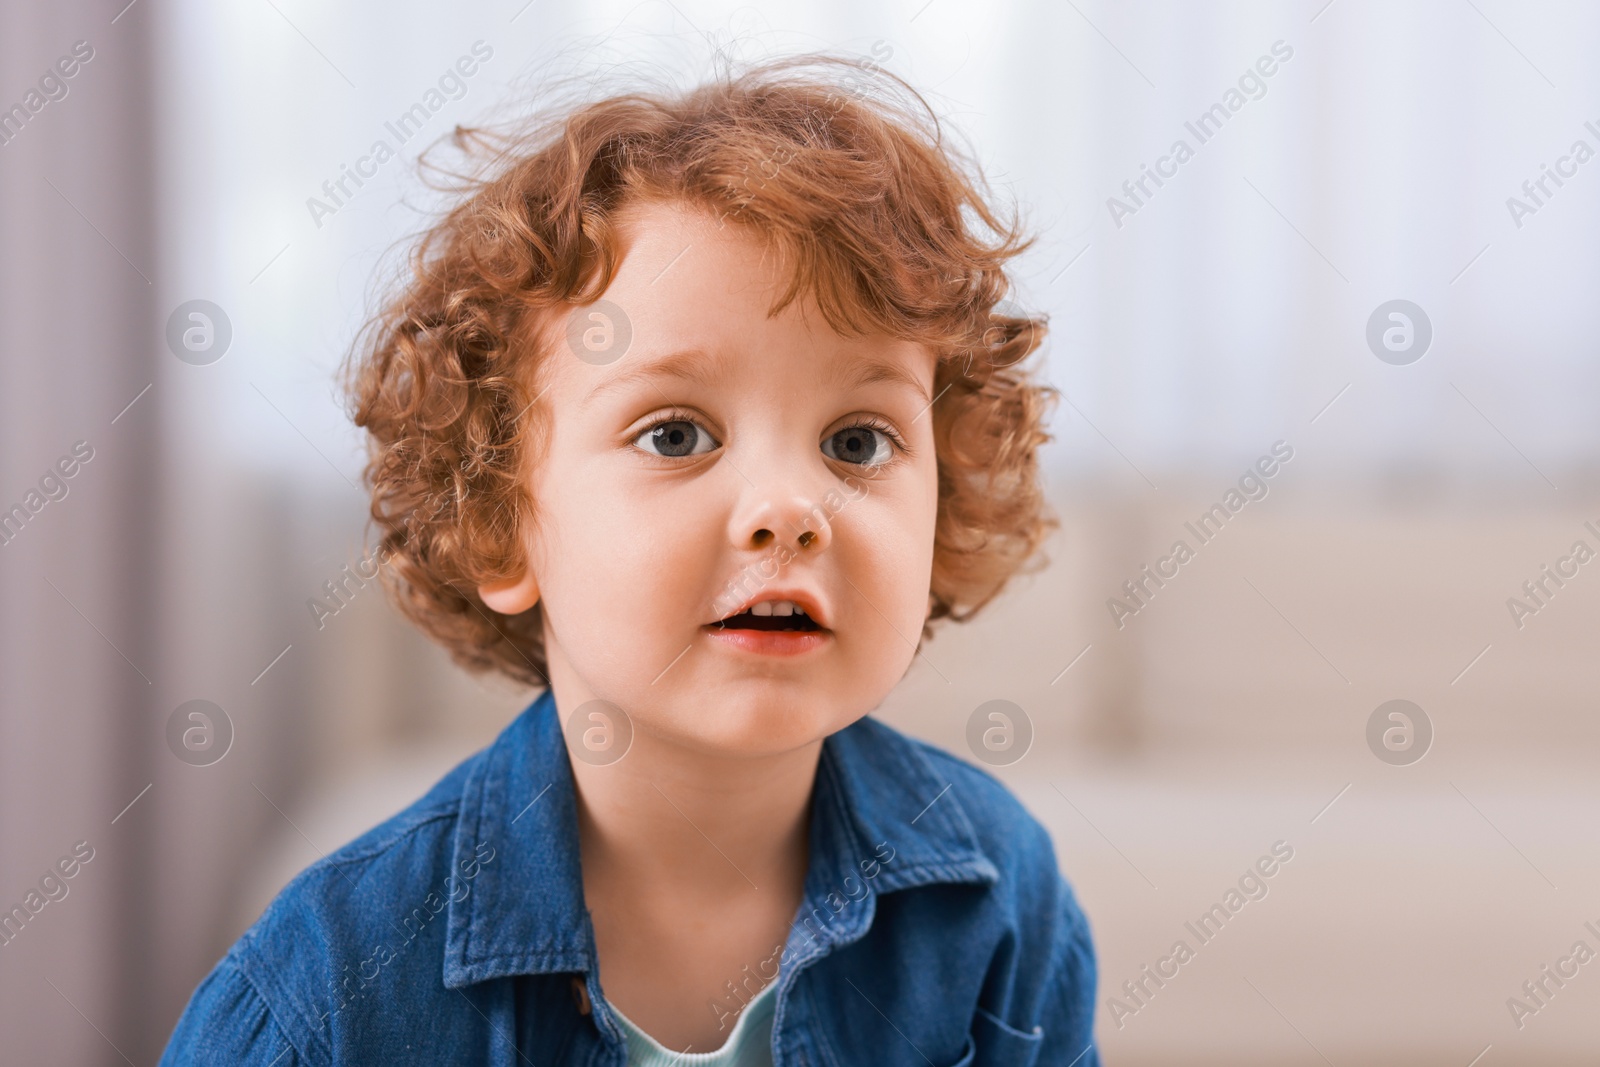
[(808, 602)]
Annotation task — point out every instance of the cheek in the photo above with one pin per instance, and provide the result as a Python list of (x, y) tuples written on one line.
[(622, 578), (892, 533), (886, 544)]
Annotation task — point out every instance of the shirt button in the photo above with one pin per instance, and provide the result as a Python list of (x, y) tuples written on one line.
[(580, 995)]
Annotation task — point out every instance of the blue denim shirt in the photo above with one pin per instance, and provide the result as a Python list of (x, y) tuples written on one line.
[(935, 929)]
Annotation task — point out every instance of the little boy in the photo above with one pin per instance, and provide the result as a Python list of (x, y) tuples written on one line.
[(695, 410)]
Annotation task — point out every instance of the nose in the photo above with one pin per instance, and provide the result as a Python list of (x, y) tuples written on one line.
[(782, 518)]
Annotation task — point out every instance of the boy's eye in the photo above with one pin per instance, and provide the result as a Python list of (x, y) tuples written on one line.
[(865, 445), (676, 437)]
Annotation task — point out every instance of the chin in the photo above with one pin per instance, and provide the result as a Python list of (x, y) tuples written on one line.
[(756, 726)]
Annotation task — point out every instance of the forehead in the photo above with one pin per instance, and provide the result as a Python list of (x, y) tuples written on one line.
[(693, 298)]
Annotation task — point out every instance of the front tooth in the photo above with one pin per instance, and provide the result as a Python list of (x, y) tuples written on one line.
[(783, 607), (763, 608)]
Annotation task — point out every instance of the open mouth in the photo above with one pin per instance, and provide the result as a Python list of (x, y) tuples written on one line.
[(749, 620), (774, 627)]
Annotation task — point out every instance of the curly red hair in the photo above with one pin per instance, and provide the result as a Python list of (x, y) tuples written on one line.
[(841, 169)]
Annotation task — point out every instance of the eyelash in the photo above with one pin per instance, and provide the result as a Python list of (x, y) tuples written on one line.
[(869, 421)]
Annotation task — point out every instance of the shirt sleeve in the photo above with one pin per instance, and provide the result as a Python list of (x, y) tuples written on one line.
[(1069, 1000), (227, 1021)]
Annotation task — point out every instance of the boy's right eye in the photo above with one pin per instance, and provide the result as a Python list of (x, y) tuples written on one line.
[(674, 438)]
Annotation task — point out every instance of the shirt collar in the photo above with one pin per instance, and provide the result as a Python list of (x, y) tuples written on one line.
[(876, 794)]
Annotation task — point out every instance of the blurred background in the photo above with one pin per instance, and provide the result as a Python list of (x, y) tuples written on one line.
[(1168, 737)]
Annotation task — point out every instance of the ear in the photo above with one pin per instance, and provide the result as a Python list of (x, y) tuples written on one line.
[(511, 597)]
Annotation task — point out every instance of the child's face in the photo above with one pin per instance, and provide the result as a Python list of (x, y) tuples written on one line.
[(644, 539)]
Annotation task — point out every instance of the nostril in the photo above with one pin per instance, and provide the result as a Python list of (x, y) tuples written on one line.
[(807, 538), (761, 537)]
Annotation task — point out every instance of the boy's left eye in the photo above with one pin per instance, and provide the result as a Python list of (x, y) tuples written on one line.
[(865, 444)]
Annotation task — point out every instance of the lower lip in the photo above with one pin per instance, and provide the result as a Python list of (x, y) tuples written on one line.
[(771, 642)]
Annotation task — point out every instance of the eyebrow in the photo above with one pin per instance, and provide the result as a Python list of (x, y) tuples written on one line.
[(701, 368), (690, 365), (871, 371)]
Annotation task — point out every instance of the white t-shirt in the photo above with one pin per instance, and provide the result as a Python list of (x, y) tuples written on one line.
[(749, 1045)]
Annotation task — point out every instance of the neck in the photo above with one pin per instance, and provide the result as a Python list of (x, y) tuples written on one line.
[(667, 814)]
